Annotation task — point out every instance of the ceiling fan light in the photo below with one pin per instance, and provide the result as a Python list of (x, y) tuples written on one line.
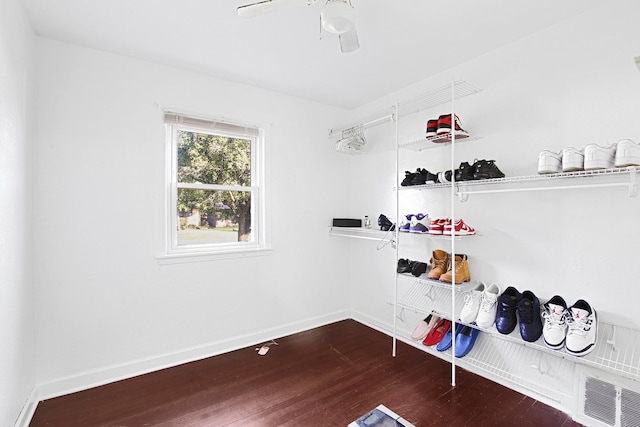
[(338, 17)]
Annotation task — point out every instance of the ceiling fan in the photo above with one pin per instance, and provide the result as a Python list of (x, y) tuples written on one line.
[(336, 17)]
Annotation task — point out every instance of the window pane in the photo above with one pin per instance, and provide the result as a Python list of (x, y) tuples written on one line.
[(207, 217), (213, 159)]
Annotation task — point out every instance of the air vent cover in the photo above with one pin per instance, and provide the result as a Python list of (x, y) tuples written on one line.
[(600, 401), (630, 409)]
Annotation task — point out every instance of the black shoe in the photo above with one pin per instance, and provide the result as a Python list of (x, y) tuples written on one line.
[(423, 176), (385, 224), (487, 169), (465, 171), (408, 177), (405, 265), (419, 268), (420, 177), (445, 176)]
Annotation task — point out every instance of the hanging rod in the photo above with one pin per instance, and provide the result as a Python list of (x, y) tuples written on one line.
[(370, 123)]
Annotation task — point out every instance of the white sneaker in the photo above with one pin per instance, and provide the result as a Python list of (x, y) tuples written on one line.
[(487, 313), (555, 315), (583, 327), (627, 153), (419, 223), (599, 157), (572, 159), (549, 162), (472, 304)]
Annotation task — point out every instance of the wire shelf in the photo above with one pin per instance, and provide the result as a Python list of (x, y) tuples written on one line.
[(436, 97), (426, 296), (579, 179), (501, 361), (359, 233), (437, 236), (617, 348), (434, 142)]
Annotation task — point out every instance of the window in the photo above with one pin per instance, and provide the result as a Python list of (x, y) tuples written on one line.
[(214, 192)]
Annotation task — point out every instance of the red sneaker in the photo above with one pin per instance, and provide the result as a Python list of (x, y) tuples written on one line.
[(459, 229), (432, 128), (444, 126), (436, 226)]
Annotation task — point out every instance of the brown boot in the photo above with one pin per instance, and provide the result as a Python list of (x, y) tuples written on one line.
[(462, 270), (439, 264)]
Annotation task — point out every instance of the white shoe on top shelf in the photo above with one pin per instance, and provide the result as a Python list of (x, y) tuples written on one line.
[(599, 157), (627, 153)]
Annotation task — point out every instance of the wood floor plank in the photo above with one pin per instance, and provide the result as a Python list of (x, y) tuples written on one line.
[(327, 376)]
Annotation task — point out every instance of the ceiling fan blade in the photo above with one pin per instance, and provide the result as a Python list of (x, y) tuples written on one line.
[(349, 41), (268, 6)]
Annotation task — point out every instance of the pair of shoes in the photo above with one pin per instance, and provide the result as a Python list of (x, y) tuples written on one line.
[(385, 223), (443, 226), (440, 128), (442, 267), (419, 177), (575, 327), (461, 267), (594, 156), (417, 268), (480, 169), (527, 307), (418, 223), (480, 305), (567, 160), (438, 332), (465, 339), (423, 328)]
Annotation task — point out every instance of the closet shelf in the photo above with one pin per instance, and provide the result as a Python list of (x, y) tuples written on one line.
[(617, 348), (502, 360), (436, 236), (443, 95), (433, 142), (614, 177), (361, 233), (431, 99)]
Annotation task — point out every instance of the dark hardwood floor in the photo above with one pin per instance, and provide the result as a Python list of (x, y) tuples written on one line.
[(327, 376)]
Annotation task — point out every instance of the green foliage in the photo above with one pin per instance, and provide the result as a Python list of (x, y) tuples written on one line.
[(214, 159)]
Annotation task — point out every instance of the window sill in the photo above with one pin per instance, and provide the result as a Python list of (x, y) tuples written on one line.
[(187, 257)]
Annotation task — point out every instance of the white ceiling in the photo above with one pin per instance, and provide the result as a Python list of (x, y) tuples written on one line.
[(402, 41)]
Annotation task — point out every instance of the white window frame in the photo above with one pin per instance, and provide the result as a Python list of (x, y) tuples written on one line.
[(188, 253)]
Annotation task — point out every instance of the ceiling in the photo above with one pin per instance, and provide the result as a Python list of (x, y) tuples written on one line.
[(402, 41)]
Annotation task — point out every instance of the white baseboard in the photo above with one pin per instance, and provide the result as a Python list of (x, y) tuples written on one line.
[(29, 408), (108, 374), (372, 322)]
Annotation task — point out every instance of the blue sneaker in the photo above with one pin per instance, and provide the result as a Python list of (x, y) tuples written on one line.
[(465, 339), (445, 344), (529, 317), (506, 310)]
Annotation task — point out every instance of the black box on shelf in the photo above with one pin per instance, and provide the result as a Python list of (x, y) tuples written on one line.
[(347, 222)]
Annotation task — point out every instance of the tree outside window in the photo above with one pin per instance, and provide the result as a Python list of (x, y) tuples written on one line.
[(214, 184)]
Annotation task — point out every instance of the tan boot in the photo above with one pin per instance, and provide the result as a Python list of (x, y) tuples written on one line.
[(439, 264), (462, 270)]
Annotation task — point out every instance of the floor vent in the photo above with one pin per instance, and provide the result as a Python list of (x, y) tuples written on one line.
[(630, 408), (600, 401), (610, 404)]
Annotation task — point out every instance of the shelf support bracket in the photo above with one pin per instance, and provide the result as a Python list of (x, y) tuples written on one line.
[(429, 293), (612, 339), (462, 196), (633, 185)]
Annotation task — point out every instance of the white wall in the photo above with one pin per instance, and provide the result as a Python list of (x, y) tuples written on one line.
[(16, 285), (570, 85), (106, 307)]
